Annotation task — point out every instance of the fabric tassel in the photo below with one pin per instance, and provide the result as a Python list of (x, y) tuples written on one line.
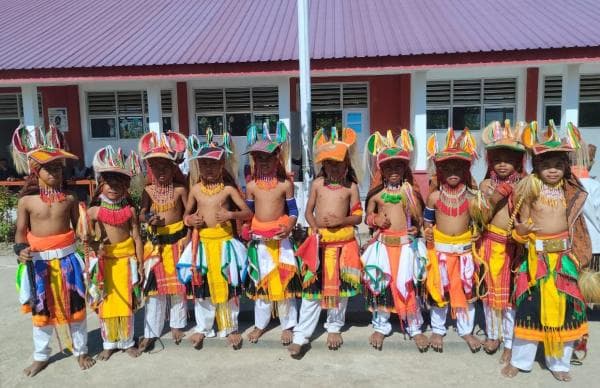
[(223, 317)]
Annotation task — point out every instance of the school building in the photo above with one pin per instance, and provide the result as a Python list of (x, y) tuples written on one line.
[(107, 71)]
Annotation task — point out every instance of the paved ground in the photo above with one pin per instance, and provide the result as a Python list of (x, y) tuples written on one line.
[(267, 363)]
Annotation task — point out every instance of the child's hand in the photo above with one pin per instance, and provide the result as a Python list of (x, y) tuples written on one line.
[(195, 220), (524, 228), (140, 274), (428, 235), (412, 231), (25, 255), (155, 220), (332, 220), (223, 215), (382, 221), (284, 231)]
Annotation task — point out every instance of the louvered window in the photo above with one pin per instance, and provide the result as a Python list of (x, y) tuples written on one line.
[(589, 101), (355, 95), (470, 103), (326, 97), (124, 114), (11, 106), (552, 99)]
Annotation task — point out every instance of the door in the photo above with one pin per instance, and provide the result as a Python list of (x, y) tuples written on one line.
[(358, 119)]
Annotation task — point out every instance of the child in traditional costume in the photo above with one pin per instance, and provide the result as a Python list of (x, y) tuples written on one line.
[(273, 276), (212, 264), (450, 270), (505, 158), (162, 208), (114, 286), (50, 274), (549, 305), (330, 256), (391, 260)]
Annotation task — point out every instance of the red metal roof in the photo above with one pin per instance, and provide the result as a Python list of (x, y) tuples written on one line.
[(38, 34)]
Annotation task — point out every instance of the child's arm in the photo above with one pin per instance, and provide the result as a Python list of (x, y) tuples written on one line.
[(139, 245), (74, 211), (243, 214), (375, 219), (356, 213), (21, 246), (144, 206), (189, 219), (310, 208), (429, 216), (292, 210)]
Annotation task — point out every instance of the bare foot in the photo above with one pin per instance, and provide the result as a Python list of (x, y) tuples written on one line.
[(422, 342), (35, 368), (177, 335), (334, 341), (473, 342), (255, 334), (85, 361), (509, 371), (437, 342), (298, 351), (146, 344), (506, 355), (105, 354), (197, 339), (490, 346), (286, 337), (133, 352), (376, 340), (562, 376), (235, 340)]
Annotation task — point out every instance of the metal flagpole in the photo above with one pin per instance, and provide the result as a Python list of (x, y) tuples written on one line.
[(305, 97)]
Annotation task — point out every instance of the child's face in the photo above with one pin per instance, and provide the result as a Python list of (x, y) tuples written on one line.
[(335, 170), (264, 162), (211, 170), (162, 170), (453, 172), (51, 173), (393, 171), (551, 169), (504, 162), (115, 185)]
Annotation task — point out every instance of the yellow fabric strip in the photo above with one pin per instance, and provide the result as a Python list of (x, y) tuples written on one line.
[(337, 234), (59, 308), (213, 239), (274, 280), (496, 230), (443, 238), (117, 285), (125, 248)]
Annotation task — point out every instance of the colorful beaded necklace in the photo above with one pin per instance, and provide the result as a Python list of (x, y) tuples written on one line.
[(163, 197), (392, 194), (114, 212), (50, 195), (211, 189), (453, 200), (513, 178), (553, 195)]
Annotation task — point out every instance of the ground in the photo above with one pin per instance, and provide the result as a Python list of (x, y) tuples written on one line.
[(267, 363)]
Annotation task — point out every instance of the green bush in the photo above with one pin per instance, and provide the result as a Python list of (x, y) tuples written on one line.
[(8, 205)]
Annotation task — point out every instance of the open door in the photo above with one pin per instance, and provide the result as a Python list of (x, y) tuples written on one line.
[(358, 119)]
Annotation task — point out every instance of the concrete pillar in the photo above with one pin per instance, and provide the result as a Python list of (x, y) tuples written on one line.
[(31, 113), (418, 117), (570, 95), (154, 109)]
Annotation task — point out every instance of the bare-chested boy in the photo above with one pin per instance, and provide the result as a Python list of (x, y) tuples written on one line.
[(213, 262), (447, 220), (505, 157), (330, 256), (50, 276), (389, 261), (162, 208), (273, 280), (115, 234), (549, 304)]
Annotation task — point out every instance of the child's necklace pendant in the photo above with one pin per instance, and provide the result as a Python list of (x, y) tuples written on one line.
[(211, 189)]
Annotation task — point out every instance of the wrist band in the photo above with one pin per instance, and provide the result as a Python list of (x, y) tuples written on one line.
[(250, 204), (18, 247), (429, 215), (292, 207)]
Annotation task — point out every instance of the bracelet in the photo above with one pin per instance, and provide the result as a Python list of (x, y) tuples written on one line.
[(18, 247)]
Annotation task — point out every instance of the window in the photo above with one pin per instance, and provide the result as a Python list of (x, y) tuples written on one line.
[(589, 101), (470, 103), (552, 99), (328, 101), (236, 108), (11, 107), (124, 114)]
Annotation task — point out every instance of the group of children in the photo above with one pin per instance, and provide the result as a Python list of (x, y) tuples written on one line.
[(517, 242)]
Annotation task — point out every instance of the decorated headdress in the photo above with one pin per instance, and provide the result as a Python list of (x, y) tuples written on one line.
[(170, 145), (550, 140), (107, 159), (333, 145), (461, 148), (259, 140), (210, 149), (31, 150), (496, 135), (386, 148)]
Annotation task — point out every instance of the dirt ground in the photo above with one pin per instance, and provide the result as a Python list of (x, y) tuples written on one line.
[(267, 363)]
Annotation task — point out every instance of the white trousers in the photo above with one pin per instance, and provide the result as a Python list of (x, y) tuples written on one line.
[(523, 356), (43, 335), (309, 317), (464, 322), (286, 309), (381, 324), (156, 307), (122, 344), (492, 325), (205, 311)]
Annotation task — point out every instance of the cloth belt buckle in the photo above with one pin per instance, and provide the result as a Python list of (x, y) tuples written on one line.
[(258, 237), (393, 240), (453, 248), (51, 254), (552, 245)]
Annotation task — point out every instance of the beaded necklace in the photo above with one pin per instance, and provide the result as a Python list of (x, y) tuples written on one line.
[(513, 178), (163, 197), (114, 212), (333, 185), (211, 189), (553, 195), (265, 180), (453, 200), (50, 195), (392, 194)]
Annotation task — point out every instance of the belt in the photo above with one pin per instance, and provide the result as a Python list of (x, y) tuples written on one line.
[(168, 239), (452, 248), (52, 254), (393, 240), (258, 237), (552, 245)]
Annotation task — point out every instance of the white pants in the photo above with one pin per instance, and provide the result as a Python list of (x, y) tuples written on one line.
[(523, 356), (381, 324), (205, 311), (492, 325), (43, 335), (464, 322), (309, 317), (286, 309), (122, 344), (156, 307)]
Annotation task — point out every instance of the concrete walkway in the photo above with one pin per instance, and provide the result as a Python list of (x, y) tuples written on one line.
[(267, 363)]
